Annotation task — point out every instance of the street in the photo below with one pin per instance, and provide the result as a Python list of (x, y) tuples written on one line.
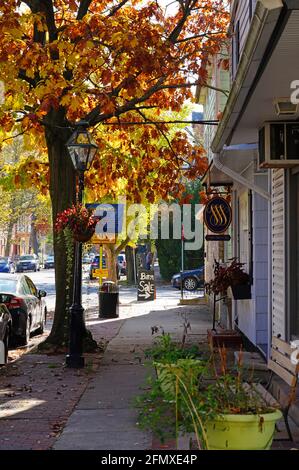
[(45, 280)]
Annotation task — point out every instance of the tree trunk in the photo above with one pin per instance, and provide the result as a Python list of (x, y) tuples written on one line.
[(111, 262), (33, 236), (63, 195), (9, 237), (130, 264)]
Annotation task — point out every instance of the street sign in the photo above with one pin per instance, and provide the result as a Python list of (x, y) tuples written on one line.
[(217, 238), (146, 285), (100, 239), (217, 215), (100, 272)]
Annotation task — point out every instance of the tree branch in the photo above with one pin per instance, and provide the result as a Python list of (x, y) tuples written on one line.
[(83, 9), (117, 7), (122, 245), (197, 36)]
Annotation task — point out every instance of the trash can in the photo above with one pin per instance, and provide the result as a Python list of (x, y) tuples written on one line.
[(108, 300)]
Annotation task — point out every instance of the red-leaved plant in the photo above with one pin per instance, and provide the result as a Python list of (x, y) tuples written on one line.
[(79, 220), (227, 276)]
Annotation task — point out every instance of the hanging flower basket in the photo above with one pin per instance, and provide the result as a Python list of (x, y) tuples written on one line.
[(84, 236), (232, 276), (78, 220)]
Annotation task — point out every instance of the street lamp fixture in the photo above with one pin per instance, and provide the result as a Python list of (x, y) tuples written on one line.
[(81, 147), (82, 150)]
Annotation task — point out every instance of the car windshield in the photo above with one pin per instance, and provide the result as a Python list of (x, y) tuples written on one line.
[(8, 285), (120, 258), (50, 258), (3, 260), (26, 258)]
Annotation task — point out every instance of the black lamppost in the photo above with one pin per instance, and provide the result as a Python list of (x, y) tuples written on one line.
[(82, 150)]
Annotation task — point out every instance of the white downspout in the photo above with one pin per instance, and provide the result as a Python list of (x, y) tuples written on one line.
[(240, 179)]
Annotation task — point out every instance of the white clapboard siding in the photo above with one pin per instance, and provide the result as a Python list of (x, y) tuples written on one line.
[(278, 253), (242, 21)]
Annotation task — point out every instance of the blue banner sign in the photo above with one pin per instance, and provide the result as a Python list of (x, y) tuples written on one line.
[(217, 215), (111, 217)]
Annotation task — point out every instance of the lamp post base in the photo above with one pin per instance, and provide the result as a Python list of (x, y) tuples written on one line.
[(74, 361)]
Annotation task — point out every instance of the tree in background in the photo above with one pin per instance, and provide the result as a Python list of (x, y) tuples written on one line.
[(19, 195), (169, 251)]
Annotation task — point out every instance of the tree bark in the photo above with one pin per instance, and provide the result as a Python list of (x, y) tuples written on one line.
[(111, 262), (63, 195), (130, 265), (33, 236), (9, 237)]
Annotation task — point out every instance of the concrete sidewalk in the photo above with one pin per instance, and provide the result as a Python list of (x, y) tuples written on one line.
[(104, 418)]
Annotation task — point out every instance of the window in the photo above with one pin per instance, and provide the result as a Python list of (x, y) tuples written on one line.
[(237, 42), (8, 285), (24, 288), (31, 286), (245, 231), (235, 53), (250, 7)]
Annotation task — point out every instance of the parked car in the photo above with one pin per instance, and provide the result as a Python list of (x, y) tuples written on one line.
[(25, 303), (122, 265), (27, 263), (192, 279), (49, 263), (6, 265), (5, 332)]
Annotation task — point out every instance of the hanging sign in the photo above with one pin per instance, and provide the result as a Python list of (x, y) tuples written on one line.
[(146, 285), (217, 238), (217, 215)]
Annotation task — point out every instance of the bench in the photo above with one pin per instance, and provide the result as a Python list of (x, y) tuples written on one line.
[(280, 365)]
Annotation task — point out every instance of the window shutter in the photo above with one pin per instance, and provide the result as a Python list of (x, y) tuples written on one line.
[(278, 254)]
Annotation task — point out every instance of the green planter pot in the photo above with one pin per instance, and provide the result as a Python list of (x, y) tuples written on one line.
[(242, 432)]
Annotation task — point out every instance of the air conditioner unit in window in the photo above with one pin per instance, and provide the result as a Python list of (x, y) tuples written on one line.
[(279, 144)]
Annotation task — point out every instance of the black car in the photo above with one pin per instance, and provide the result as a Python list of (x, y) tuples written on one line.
[(5, 332), (192, 279), (26, 305)]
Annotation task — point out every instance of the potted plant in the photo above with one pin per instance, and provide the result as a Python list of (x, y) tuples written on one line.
[(78, 220), (226, 411), (221, 409), (164, 352), (74, 224), (232, 276)]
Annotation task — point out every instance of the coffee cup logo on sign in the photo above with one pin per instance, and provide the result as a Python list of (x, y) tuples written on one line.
[(217, 215)]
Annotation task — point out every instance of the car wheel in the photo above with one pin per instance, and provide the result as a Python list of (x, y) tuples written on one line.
[(190, 283), (25, 339)]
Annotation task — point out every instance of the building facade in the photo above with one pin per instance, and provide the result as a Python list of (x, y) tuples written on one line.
[(265, 232)]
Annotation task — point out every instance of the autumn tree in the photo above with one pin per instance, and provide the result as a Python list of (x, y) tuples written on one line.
[(109, 63), (19, 194)]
